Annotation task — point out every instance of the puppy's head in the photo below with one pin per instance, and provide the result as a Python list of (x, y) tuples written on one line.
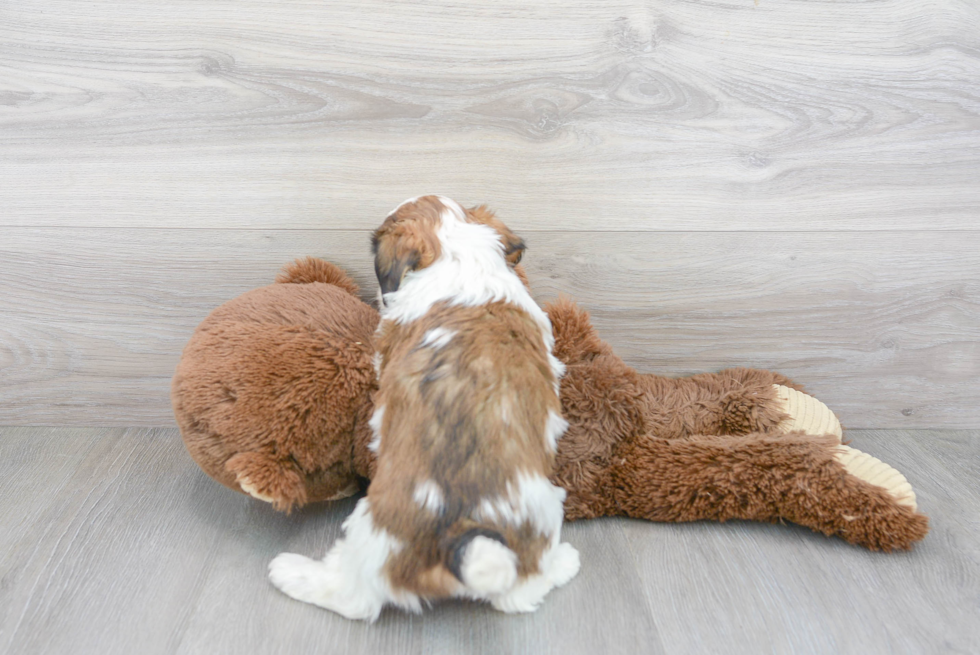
[(411, 237)]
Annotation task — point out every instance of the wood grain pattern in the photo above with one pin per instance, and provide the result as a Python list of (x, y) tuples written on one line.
[(629, 115), (883, 326), (131, 548), (669, 158)]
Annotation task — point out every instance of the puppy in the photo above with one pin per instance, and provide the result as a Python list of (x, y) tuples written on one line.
[(466, 428)]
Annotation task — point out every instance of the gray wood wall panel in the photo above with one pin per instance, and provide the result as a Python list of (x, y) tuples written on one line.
[(883, 326), (626, 114), (132, 549), (663, 157)]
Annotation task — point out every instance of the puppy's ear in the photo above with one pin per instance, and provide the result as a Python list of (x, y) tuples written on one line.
[(514, 246), (391, 267), (399, 249)]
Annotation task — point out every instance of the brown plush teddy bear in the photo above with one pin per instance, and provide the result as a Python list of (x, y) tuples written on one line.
[(274, 391)]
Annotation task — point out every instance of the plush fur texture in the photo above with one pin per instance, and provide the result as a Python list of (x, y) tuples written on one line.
[(272, 386), (663, 449)]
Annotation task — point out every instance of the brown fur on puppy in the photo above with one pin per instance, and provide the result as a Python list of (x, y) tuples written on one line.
[(466, 416)]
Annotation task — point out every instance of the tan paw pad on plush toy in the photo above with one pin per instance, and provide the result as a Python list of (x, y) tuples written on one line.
[(806, 414), (874, 471), (252, 490), (810, 416)]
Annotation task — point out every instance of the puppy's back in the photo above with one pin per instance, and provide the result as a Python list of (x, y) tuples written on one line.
[(469, 400)]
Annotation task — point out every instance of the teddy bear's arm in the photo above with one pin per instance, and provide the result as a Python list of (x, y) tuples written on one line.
[(733, 402)]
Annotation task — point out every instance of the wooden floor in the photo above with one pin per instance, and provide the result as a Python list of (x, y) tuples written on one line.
[(113, 541)]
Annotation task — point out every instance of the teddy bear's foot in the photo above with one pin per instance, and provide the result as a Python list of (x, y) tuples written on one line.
[(268, 479), (874, 471), (252, 490), (805, 413)]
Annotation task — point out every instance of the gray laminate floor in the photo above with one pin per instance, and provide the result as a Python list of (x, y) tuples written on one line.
[(113, 541)]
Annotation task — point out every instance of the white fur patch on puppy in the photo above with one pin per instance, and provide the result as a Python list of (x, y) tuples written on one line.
[(532, 499), (557, 369), (437, 338), (554, 429), (429, 496), (300, 577), (488, 567), (561, 564), (505, 410), (558, 566), (376, 420)]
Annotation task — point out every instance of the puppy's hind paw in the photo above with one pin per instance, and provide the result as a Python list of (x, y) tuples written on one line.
[(560, 566), (564, 565), (298, 577), (525, 596)]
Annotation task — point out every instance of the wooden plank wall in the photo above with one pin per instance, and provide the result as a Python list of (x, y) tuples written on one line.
[(791, 185)]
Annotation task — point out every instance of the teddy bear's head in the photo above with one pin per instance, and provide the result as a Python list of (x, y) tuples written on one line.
[(272, 388)]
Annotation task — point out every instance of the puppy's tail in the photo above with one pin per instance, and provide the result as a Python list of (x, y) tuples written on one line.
[(481, 560)]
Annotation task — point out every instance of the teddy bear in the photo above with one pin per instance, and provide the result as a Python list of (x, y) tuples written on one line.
[(273, 394)]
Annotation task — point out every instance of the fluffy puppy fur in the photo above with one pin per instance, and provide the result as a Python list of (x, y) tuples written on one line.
[(466, 429)]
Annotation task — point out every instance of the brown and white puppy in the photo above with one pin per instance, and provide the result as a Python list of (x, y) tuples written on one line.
[(466, 428)]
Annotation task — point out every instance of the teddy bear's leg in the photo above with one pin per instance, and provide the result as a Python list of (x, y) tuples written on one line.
[(267, 478), (809, 480), (732, 402)]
